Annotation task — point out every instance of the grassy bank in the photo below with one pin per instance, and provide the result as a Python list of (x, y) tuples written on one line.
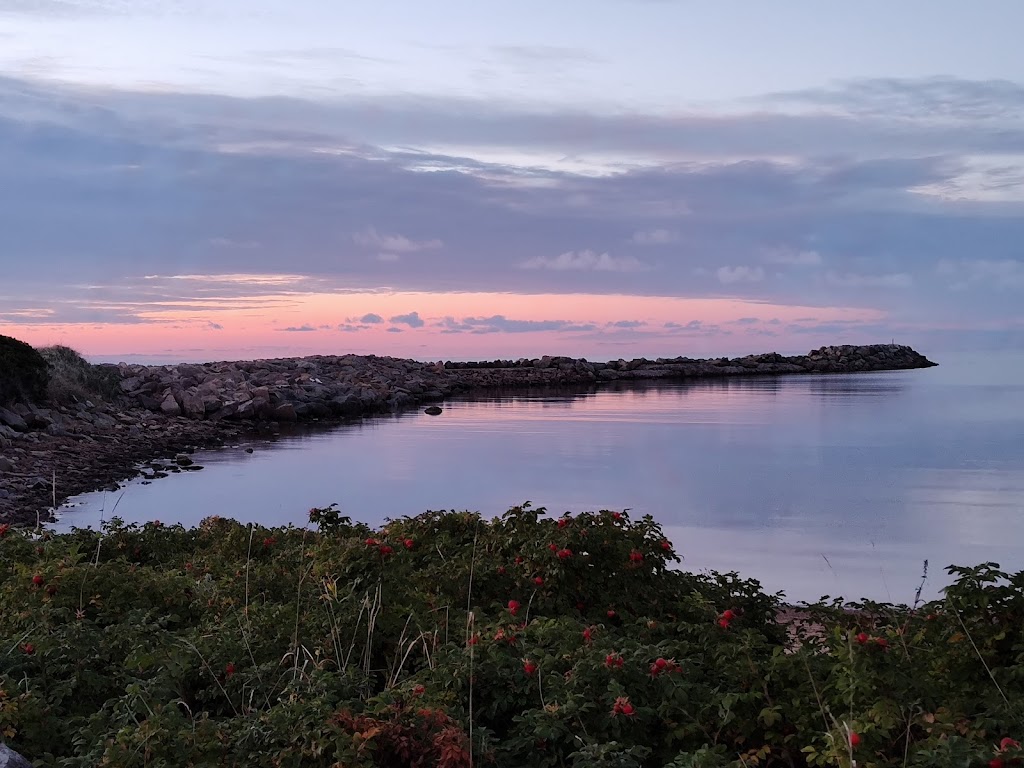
[(449, 640)]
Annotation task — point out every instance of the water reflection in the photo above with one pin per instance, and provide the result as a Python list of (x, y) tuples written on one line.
[(812, 484)]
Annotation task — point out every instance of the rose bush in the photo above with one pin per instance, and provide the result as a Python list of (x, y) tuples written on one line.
[(431, 642)]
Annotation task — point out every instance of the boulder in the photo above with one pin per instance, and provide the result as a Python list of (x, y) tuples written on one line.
[(169, 406), (13, 420), (432, 410), (11, 759)]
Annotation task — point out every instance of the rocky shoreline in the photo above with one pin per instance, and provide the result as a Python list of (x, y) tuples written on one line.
[(50, 454)]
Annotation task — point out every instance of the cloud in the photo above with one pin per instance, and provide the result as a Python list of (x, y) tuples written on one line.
[(628, 324), (792, 257), (1001, 273), (413, 320), (286, 176), (848, 280), (394, 244), (741, 274), (371, 318), (502, 324), (654, 237), (392, 329), (298, 328), (585, 260), (351, 327), (215, 326)]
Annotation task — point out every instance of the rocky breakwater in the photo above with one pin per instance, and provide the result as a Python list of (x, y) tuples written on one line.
[(336, 387)]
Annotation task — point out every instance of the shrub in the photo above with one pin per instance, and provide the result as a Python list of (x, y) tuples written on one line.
[(428, 642), (73, 378), (23, 372)]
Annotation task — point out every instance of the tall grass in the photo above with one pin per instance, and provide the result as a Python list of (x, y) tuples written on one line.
[(73, 379)]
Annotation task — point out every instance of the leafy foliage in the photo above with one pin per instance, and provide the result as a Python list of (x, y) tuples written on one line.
[(449, 640)]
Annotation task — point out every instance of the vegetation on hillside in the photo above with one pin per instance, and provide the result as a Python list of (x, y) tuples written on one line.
[(449, 640), (23, 372), (75, 379)]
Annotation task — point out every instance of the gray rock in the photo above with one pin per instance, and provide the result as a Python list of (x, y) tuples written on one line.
[(284, 412), (6, 465), (183, 460), (13, 420), (170, 406), (11, 759), (432, 410)]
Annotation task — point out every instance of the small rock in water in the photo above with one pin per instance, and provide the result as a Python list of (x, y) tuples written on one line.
[(432, 410), (248, 450), (183, 460)]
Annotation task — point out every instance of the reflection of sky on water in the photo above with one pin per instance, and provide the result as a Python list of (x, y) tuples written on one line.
[(769, 477)]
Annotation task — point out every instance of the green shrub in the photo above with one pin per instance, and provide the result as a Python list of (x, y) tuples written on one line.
[(431, 641), (72, 378), (23, 372)]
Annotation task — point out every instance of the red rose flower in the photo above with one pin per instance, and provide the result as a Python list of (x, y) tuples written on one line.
[(553, 547), (862, 638), (728, 614), (474, 639), (269, 542), (39, 579), (229, 669), (588, 635), (538, 580), (562, 522), (564, 554), (501, 570), (636, 556), (1007, 743), (529, 667), (881, 642), (611, 614), (409, 543), (666, 544), (616, 516), (4, 529), (418, 690), (28, 649), (371, 542), (519, 559), (513, 607), (854, 739), (723, 623)]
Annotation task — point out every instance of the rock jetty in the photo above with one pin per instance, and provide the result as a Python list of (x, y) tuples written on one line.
[(163, 412), (298, 389)]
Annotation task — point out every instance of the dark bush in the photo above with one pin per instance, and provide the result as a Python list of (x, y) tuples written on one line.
[(23, 372)]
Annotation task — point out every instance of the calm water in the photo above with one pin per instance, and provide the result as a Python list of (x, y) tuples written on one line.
[(814, 485)]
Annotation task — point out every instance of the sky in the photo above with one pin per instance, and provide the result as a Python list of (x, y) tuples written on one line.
[(223, 179)]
